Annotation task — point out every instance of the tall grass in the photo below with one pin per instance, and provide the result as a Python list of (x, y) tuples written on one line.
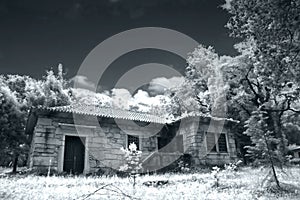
[(245, 183)]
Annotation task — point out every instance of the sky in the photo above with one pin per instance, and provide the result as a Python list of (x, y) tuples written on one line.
[(37, 35)]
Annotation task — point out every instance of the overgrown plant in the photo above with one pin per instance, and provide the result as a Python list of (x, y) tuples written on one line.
[(133, 163), (229, 169), (215, 174), (264, 78), (265, 149), (184, 167), (18, 94)]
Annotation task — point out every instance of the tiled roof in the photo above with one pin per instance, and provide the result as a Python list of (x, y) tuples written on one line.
[(85, 109), (108, 112), (208, 116)]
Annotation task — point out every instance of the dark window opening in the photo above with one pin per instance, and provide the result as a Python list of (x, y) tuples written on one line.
[(174, 144), (162, 142), (216, 142), (133, 139), (222, 143)]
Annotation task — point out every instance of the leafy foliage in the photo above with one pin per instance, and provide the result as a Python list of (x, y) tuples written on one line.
[(267, 70), (268, 66), (17, 95), (133, 164), (265, 145), (203, 89)]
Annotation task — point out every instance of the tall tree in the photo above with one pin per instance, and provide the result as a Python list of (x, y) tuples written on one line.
[(12, 120), (17, 95), (203, 88), (268, 67)]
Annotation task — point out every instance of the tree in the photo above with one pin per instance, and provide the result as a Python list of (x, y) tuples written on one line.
[(265, 144), (12, 121), (52, 90), (267, 68), (17, 95), (203, 89)]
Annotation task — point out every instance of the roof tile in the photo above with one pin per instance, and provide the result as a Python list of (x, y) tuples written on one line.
[(108, 112)]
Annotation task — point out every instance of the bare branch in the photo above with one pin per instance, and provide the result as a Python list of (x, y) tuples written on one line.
[(102, 187), (243, 107), (257, 96)]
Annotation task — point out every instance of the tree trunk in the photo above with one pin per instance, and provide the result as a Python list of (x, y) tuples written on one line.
[(271, 162), (274, 174), (15, 164), (279, 133)]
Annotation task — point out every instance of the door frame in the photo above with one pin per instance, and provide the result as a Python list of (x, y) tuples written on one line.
[(85, 151), (66, 132)]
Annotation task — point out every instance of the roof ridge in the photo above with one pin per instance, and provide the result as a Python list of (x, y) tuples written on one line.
[(115, 112), (112, 112), (103, 107)]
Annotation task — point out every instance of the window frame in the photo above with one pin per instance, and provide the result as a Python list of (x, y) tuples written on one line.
[(139, 147), (209, 151)]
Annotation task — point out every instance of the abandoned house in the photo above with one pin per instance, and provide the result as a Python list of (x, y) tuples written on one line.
[(67, 138)]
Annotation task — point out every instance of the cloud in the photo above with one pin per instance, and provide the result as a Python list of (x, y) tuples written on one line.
[(83, 82), (161, 85), (145, 103), (121, 98), (141, 101), (91, 98)]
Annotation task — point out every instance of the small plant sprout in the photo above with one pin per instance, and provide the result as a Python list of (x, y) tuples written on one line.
[(215, 172), (132, 161), (184, 167)]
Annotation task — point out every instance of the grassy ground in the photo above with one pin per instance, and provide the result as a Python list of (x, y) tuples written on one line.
[(246, 183)]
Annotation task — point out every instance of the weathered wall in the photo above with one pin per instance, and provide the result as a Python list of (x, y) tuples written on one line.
[(103, 144), (44, 147), (194, 141)]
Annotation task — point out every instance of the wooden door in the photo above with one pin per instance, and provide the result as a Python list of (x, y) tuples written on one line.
[(74, 155)]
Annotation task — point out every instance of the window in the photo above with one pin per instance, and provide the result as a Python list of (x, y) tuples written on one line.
[(222, 143), (133, 139), (212, 146), (211, 142)]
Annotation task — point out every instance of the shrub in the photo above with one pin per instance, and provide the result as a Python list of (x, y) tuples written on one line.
[(133, 163)]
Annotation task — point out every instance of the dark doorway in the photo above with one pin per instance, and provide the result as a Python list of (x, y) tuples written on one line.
[(162, 142), (174, 144), (74, 155)]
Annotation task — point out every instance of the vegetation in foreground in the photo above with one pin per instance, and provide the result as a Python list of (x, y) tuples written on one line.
[(246, 183)]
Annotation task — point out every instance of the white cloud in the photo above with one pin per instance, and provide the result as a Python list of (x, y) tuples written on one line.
[(145, 103), (121, 98), (83, 82), (92, 98), (161, 84)]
